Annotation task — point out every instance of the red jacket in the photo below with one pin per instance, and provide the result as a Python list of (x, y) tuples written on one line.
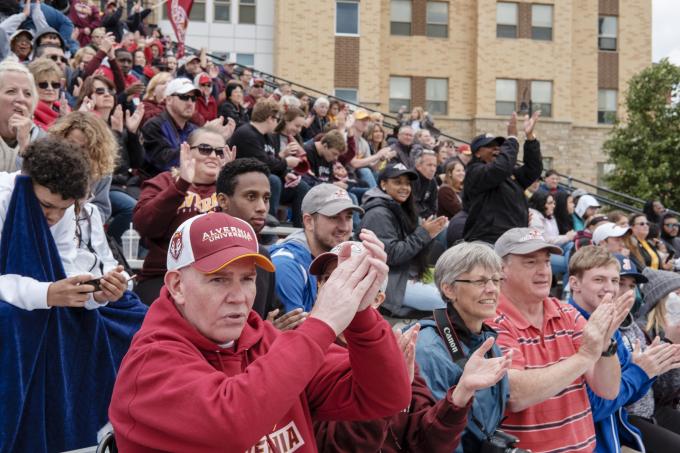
[(178, 391), (207, 109)]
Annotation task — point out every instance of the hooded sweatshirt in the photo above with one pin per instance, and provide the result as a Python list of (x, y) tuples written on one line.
[(384, 217), (295, 286), (179, 391)]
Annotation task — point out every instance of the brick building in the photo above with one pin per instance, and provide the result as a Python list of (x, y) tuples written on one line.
[(471, 62)]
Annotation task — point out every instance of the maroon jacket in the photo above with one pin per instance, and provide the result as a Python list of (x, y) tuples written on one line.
[(166, 202), (429, 425)]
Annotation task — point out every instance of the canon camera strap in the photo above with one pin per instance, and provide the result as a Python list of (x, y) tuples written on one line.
[(448, 334)]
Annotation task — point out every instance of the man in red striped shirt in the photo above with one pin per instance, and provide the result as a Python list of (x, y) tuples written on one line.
[(555, 351)]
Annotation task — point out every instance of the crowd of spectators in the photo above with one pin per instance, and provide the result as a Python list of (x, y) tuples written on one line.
[(524, 313)]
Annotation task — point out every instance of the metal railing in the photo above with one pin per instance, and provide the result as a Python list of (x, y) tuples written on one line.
[(604, 195)]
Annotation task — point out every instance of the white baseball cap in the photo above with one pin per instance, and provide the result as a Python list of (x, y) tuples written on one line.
[(608, 230), (179, 85)]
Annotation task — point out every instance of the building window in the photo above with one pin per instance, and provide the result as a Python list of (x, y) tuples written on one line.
[(347, 94), (541, 97), (222, 10), (606, 106), (400, 17), (437, 19), (541, 22), (506, 96), (400, 93), (346, 18), (246, 12), (245, 59), (606, 35), (506, 20), (197, 11), (437, 96)]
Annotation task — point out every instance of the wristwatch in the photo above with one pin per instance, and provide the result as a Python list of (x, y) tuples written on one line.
[(611, 350)]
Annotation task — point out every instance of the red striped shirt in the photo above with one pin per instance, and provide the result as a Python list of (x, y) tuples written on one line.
[(563, 423)]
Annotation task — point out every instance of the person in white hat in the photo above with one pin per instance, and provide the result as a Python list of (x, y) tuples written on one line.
[(610, 236), (205, 373)]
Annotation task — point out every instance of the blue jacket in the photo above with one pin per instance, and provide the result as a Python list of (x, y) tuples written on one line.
[(59, 22), (441, 373), (612, 427), (295, 286)]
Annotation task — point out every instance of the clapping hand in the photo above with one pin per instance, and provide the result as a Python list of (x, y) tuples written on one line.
[(530, 124), (289, 321), (407, 345), (187, 163), (480, 373), (132, 121)]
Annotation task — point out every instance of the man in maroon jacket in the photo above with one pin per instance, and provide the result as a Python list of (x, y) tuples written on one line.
[(206, 374)]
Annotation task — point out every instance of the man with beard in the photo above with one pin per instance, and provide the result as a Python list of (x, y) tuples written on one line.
[(327, 216)]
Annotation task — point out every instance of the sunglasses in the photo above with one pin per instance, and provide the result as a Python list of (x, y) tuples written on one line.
[(207, 150), (102, 91), (46, 85), (186, 97), (672, 225), (57, 59)]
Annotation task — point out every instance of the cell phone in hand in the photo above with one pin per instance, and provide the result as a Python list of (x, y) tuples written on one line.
[(96, 282)]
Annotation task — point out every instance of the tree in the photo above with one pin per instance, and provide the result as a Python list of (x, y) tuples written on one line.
[(645, 149)]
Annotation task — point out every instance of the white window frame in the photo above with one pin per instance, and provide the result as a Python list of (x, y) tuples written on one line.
[(547, 114), (339, 96), (614, 36), (252, 4), (542, 26), (605, 110), (228, 4), (445, 100), (410, 22), (496, 100), (240, 62), (410, 94), (436, 24), (516, 24), (354, 2)]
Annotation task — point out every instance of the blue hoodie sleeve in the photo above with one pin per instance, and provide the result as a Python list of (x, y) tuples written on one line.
[(291, 280), (634, 384)]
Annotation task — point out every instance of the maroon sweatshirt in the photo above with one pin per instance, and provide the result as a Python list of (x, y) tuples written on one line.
[(429, 425), (166, 202)]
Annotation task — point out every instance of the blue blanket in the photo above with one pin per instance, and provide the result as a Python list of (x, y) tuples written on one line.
[(57, 366)]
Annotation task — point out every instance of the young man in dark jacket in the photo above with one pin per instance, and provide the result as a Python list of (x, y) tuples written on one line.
[(494, 185)]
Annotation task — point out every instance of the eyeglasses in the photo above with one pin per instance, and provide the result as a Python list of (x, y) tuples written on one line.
[(186, 97), (481, 283), (207, 150), (57, 59), (101, 91), (672, 225), (46, 85)]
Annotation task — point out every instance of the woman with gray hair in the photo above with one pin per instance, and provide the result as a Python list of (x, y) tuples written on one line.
[(317, 120), (18, 98), (468, 277)]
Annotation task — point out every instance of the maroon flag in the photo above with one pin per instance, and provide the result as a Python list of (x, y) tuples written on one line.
[(178, 13)]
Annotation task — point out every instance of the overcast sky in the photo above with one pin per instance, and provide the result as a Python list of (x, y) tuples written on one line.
[(666, 30)]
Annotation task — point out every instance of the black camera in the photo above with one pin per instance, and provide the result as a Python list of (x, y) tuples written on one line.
[(501, 442)]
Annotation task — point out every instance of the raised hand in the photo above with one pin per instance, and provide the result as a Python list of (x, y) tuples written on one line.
[(435, 225), (64, 108), (133, 121), (657, 359), (512, 125), (289, 321), (117, 123), (407, 345), (187, 164), (622, 306), (229, 155), (530, 124), (480, 373), (87, 105), (594, 338), (21, 124)]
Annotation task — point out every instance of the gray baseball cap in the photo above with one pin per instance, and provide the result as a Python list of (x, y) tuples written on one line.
[(328, 200), (522, 241)]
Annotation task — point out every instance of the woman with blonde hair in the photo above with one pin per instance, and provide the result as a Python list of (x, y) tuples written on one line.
[(419, 119), (51, 102), (155, 95), (101, 148)]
